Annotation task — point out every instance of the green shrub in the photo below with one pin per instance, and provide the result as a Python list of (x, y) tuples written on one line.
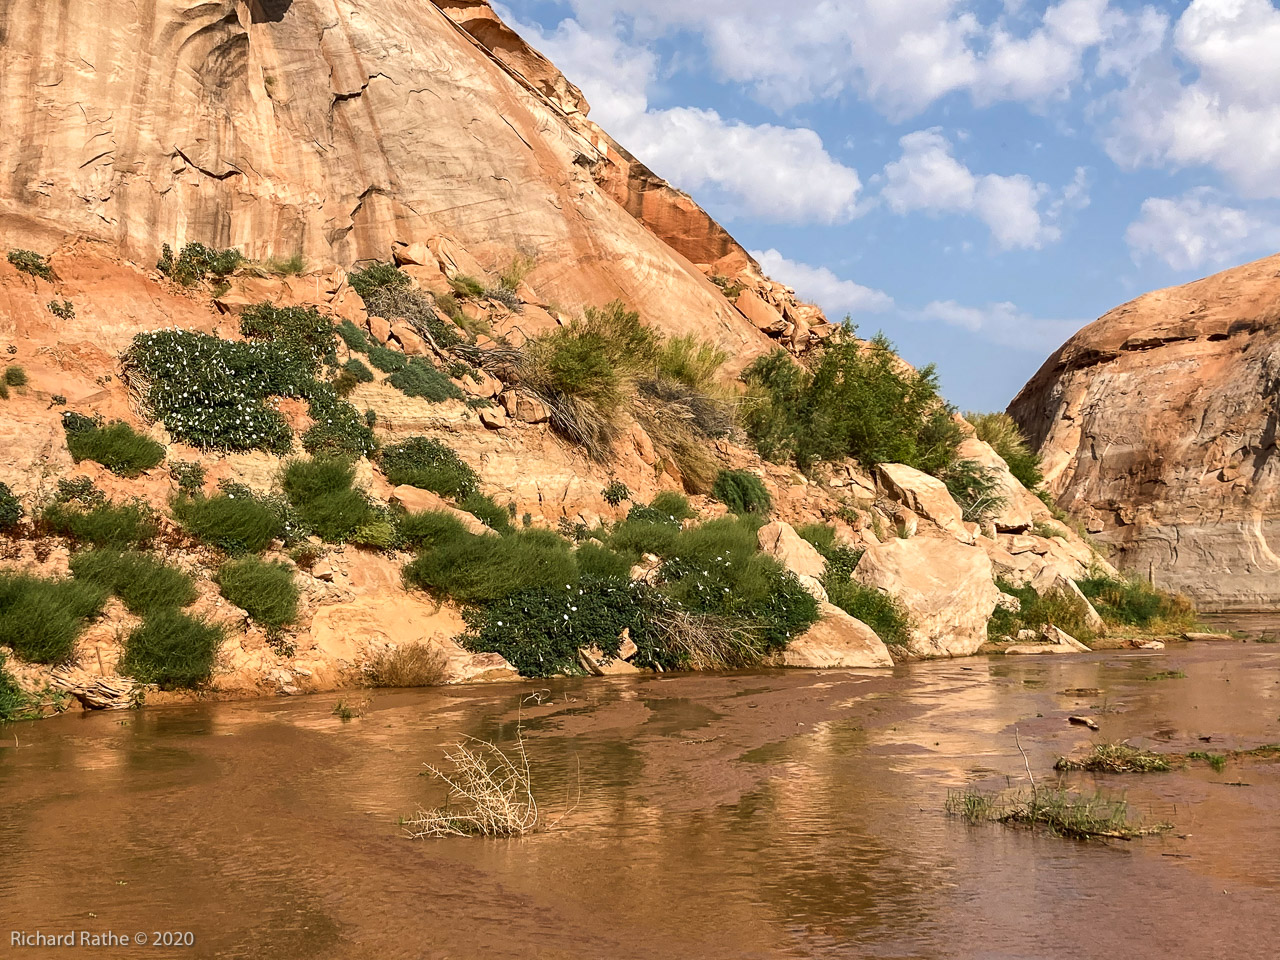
[(859, 400), (415, 308), (358, 371), (172, 650), (615, 492), (601, 562), (265, 591), (420, 379), (14, 702), (487, 511), (1136, 603), (692, 362), (321, 491), (879, 611), (41, 619), (4, 389), (975, 489), (742, 492), (32, 263), (540, 631), (353, 337), (293, 266), (103, 525), (421, 531), (188, 475), (338, 429), (430, 465), (413, 665), (386, 360), (15, 376), (196, 261), (117, 446), (234, 522), (465, 286), (10, 508), (1003, 434), (376, 276), (484, 569), (300, 330), (822, 536), (142, 582), (1061, 609), (636, 537)]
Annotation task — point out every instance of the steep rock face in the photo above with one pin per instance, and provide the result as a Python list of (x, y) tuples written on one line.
[(342, 131), (1158, 428)]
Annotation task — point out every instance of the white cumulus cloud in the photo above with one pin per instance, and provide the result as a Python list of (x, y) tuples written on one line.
[(1195, 230), (1002, 323), (822, 286)]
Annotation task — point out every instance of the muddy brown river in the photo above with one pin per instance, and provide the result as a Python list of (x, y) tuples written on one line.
[(756, 815)]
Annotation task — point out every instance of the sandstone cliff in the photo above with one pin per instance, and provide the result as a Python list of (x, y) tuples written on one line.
[(1158, 428)]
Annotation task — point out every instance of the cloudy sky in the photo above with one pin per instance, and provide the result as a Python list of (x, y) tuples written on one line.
[(978, 178)]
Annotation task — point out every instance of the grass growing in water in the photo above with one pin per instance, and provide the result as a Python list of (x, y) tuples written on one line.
[(13, 699), (1167, 675), (1217, 761), (1064, 813), (1117, 758)]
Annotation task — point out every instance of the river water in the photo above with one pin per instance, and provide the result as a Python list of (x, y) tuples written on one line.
[(756, 815)]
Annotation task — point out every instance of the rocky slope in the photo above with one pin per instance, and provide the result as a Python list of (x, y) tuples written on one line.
[(431, 135), (1158, 428)]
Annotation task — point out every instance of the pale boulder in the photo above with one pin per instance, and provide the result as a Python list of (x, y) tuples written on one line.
[(945, 586), (1016, 511), (837, 640), (780, 541), (924, 495)]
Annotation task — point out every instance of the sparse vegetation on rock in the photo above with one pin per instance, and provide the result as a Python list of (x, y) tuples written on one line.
[(117, 446), (428, 464), (102, 524), (10, 508), (196, 262), (1001, 431), (32, 264)]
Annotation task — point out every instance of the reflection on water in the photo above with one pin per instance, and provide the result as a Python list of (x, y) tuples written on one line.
[(763, 815)]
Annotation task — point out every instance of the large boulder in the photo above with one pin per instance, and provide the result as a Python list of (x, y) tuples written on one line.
[(780, 541), (1017, 508), (945, 586), (837, 640), (924, 495)]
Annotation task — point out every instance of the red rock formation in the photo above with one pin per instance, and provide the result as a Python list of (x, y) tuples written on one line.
[(1158, 426)]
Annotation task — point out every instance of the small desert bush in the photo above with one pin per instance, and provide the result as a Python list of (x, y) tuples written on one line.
[(636, 537), (355, 338), (188, 475), (171, 650), (428, 529), (420, 379), (119, 526), (430, 465), (299, 330), (1002, 433), (117, 446), (878, 610), (62, 309), (236, 522), (375, 277), (487, 511), (321, 492), (856, 400), (14, 701), (1136, 603), (195, 262), (10, 508), (615, 492), (265, 591), (1063, 610), (286, 266), (142, 582), (975, 489), (666, 507), (387, 360), (32, 263), (413, 665), (41, 619), (415, 308), (338, 429), (483, 569), (742, 492), (467, 286), (357, 371), (692, 362), (15, 376)]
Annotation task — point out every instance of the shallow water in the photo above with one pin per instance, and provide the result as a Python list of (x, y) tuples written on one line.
[(759, 815)]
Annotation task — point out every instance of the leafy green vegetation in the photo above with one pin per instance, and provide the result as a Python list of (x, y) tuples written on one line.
[(14, 701), (196, 262), (1138, 604), (142, 582), (484, 569), (386, 360), (322, 493), (375, 277), (742, 492), (15, 376), (265, 591), (358, 371), (10, 508), (117, 446), (355, 338), (856, 400), (1116, 758), (301, 331), (41, 619), (101, 524), (1167, 675), (430, 465), (338, 429), (975, 489), (1061, 609), (420, 379), (667, 507), (1066, 814), (237, 522), (172, 650), (428, 529), (615, 492), (188, 475), (62, 309), (32, 263), (1004, 436), (1215, 760)]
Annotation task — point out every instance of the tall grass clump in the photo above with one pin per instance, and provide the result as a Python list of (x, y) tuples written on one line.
[(420, 379), (430, 465), (483, 569), (40, 619), (1063, 610), (322, 492), (237, 522), (1002, 433), (1137, 604), (412, 665), (742, 492), (101, 524), (265, 591), (172, 650), (14, 702), (975, 489), (117, 446), (142, 582), (855, 399), (430, 528)]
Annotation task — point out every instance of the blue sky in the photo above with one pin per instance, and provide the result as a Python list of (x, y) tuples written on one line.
[(978, 178)]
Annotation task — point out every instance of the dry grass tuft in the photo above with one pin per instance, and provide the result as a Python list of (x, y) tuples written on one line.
[(413, 665), (1116, 758)]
